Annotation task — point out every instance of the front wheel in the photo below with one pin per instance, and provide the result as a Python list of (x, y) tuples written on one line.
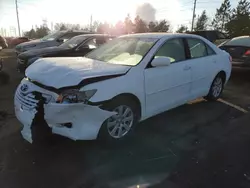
[(215, 89), (121, 125)]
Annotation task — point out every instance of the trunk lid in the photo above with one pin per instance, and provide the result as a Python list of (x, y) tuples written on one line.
[(236, 52)]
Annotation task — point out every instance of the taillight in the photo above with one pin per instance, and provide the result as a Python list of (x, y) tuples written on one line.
[(247, 52)]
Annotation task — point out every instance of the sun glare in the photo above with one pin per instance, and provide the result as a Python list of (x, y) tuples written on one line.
[(113, 11)]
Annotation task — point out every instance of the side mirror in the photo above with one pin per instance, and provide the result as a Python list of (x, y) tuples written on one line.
[(161, 61), (60, 40)]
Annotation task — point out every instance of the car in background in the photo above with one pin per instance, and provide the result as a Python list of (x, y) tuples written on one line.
[(76, 46), (213, 36), (124, 81), (8, 40), (4, 77), (15, 41), (3, 43), (53, 39), (239, 49)]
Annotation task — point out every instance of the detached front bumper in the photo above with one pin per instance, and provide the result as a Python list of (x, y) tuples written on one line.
[(84, 120)]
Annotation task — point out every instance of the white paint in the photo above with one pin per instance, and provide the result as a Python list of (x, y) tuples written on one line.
[(86, 120), (157, 88), (233, 105), (167, 87), (131, 83), (68, 71), (25, 117)]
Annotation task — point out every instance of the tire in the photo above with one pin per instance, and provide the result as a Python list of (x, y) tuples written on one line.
[(216, 88), (119, 127)]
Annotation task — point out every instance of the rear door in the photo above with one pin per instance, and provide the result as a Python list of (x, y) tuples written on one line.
[(203, 61)]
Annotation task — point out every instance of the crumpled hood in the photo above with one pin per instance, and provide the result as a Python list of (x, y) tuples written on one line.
[(62, 72), (39, 52)]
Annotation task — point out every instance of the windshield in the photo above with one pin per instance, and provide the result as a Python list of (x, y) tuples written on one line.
[(124, 51), (75, 41), (52, 36)]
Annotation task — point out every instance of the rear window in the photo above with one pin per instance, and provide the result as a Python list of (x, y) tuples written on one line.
[(238, 42)]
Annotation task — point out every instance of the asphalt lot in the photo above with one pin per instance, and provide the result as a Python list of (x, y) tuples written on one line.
[(199, 144)]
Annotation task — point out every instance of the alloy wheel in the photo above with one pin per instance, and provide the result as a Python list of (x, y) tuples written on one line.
[(217, 87), (120, 124)]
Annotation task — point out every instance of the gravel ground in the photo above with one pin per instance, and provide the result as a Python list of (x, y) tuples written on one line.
[(199, 144)]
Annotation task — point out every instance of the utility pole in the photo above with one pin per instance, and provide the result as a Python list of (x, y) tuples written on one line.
[(193, 15), (90, 23), (17, 16)]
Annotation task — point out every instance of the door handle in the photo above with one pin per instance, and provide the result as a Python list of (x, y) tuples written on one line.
[(187, 68)]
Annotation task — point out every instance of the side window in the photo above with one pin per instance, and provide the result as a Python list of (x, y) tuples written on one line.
[(174, 49), (68, 36), (101, 40), (210, 51), (197, 48), (92, 43)]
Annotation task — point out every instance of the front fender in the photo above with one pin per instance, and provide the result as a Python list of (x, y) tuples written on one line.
[(130, 83)]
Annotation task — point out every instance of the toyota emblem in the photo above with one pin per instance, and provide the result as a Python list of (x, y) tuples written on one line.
[(24, 88)]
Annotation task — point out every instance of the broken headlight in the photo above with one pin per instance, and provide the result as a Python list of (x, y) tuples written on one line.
[(75, 96)]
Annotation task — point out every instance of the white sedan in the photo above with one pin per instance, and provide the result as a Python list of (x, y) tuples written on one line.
[(125, 81)]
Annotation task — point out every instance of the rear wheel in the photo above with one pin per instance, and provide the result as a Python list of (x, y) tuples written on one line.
[(216, 88), (120, 125)]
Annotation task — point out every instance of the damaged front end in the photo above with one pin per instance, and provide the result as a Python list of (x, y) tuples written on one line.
[(66, 114)]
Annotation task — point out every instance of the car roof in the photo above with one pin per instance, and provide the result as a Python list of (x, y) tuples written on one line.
[(79, 31), (202, 31), (76, 31), (161, 35), (245, 36), (93, 35)]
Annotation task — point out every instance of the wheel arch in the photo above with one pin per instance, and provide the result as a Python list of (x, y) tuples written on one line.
[(128, 96), (223, 75), (133, 98)]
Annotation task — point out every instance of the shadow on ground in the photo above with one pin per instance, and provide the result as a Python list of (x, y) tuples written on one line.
[(158, 145), (196, 145)]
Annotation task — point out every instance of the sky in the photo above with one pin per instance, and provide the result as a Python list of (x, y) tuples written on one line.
[(33, 12)]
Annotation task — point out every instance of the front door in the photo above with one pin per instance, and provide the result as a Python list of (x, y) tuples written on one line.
[(168, 86)]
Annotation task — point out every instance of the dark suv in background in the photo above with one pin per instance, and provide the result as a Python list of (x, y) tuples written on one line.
[(53, 39), (74, 47)]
